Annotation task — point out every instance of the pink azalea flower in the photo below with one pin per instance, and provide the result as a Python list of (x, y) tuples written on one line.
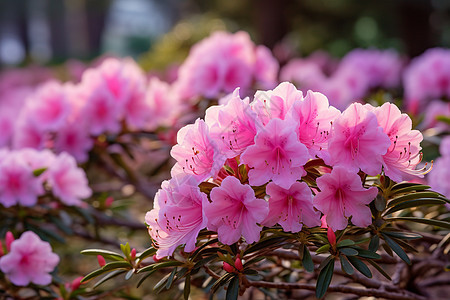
[(18, 185), (341, 196), (233, 126), (275, 103), (137, 109), (234, 211), (291, 208), (403, 154), (30, 260), (196, 152), (100, 109), (68, 182), (74, 139), (266, 68), (277, 155), (177, 216), (439, 175), (357, 142), (27, 135), (314, 118), (48, 107)]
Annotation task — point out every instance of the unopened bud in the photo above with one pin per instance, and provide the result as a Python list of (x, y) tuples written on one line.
[(238, 264), (331, 236), (228, 268), (101, 260), (133, 253), (9, 239), (109, 201), (156, 259), (76, 283)]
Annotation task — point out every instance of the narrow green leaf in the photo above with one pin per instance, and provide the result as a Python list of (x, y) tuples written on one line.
[(221, 281), (264, 243), (324, 279), (360, 266), (161, 284), (323, 249), (143, 278), (348, 251), (413, 204), (117, 265), (233, 289), (93, 274), (104, 253), (146, 253), (397, 249), (308, 264), (374, 243), (433, 222), (187, 287), (160, 265), (204, 261), (414, 196), (108, 277), (346, 266), (345, 243), (170, 279), (379, 268), (200, 249), (387, 249), (403, 235), (413, 188), (367, 254)]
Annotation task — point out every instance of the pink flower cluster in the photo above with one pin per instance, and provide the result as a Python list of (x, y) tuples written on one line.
[(244, 147), (427, 78), (29, 260), (438, 178), (20, 186), (223, 62), (66, 117), (357, 73)]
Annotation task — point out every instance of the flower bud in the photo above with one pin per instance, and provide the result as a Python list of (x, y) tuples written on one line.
[(155, 258), (101, 260), (9, 239), (76, 283), (133, 253), (331, 236), (109, 201), (228, 268), (238, 264)]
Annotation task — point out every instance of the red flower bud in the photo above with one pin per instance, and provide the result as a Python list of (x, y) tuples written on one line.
[(228, 268), (331, 236), (155, 258), (133, 253), (101, 260), (9, 239), (76, 283), (238, 264), (109, 201), (1, 249)]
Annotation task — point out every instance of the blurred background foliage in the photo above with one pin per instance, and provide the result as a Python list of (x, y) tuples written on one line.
[(53, 31)]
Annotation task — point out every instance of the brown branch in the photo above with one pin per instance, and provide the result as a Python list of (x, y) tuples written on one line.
[(211, 272), (340, 289)]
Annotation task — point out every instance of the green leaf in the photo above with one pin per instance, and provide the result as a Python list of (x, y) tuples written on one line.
[(379, 268), (233, 289), (93, 274), (345, 243), (143, 278), (433, 222), (199, 249), (323, 249), (413, 188), (38, 172), (374, 243), (324, 279), (204, 261), (221, 281), (413, 204), (170, 279), (397, 249), (308, 264), (126, 249), (206, 187), (187, 287), (109, 276), (146, 253), (160, 265), (264, 243), (380, 203), (161, 284), (104, 253), (129, 274), (443, 118), (360, 266), (367, 254), (117, 265), (345, 265), (403, 235), (414, 196), (348, 251)]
